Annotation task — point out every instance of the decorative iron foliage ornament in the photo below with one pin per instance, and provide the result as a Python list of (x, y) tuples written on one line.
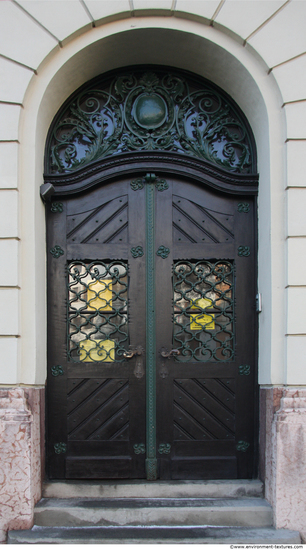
[(244, 370), (56, 251), (164, 448), (244, 207), (244, 251), (242, 446), (150, 111), (139, 448), (56, 207), (137, 251), (57, 370), (60, 448), (163, 252)]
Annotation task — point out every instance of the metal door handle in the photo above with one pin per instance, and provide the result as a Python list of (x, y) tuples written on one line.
[(129, 354), (138, 370), (171, 353)]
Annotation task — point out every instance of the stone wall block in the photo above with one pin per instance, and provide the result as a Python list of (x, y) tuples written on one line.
[(21, 38), (296, 152), (274, 40), (289, 472), (18, 493), (244, 17), (8, 165), (203, 9), (269, 403), (100, 9), (36, 402), (60, 18), (296, 120), (9, 121)]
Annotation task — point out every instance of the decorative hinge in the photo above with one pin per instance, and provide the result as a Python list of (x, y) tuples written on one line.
[(137, 251), (57, 251), (244, 370), (57, 370), (164, 448), (244, 251), (139, 448), (163, 252), (242, 446), (60, 448)]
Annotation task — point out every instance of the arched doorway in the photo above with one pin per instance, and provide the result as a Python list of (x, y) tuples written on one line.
[(151, 281)]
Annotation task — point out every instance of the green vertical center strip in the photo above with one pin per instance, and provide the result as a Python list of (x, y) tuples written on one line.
[(151, 461)]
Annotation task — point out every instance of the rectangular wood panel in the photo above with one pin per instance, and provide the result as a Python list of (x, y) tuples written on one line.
[(100, 467)]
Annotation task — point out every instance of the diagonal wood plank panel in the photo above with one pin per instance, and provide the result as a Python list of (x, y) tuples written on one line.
[(194, 223), (98, 409), (204, 409)]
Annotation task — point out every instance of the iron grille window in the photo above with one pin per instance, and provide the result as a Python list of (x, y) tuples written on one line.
[(97, 311), (204, 310)]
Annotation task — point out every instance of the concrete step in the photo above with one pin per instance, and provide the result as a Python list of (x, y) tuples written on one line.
[(153, 535), (158, 489), (76, 512)]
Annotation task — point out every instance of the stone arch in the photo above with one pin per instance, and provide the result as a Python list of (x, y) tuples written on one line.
[(183, 44)]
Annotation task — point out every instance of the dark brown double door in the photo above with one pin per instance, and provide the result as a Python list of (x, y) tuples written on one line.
[(138, 270)]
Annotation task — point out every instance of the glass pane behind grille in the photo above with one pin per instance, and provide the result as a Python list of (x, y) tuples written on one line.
[(204, 310), (97, 311)]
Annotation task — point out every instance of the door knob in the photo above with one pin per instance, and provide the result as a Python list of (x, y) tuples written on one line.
[(171, 353)]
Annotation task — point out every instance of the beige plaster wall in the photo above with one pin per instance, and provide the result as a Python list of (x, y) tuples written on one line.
[(47, 49)]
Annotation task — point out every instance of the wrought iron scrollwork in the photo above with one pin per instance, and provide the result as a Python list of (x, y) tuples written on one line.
[(97, 316), (203, 304), (150, 111)]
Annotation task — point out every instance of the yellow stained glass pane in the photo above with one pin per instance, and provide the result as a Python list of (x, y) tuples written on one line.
[(199, 321), (203, 303), (99, 295), (97, 350)]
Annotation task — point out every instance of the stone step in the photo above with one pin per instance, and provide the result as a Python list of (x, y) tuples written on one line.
[(250, 512), (154, 535), (157, 489)]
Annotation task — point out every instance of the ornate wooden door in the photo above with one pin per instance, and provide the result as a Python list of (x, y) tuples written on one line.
[(205, 314), (96, 395), (151, 362)]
